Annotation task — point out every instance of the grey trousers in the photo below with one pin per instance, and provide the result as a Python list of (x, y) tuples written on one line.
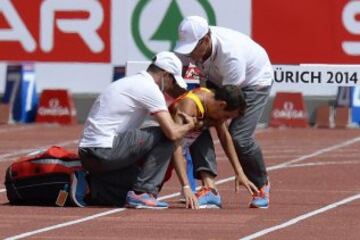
[(242, 131), (147, 148)]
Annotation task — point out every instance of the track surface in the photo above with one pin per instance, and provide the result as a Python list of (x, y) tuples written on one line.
[(315, 194)]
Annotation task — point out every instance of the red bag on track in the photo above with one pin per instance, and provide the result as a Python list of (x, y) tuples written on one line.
[(52, 177)]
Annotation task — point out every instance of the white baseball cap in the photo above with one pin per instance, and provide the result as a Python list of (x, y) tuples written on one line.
[(169, 62), (191, 30)]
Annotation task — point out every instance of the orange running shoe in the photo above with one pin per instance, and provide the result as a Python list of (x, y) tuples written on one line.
[(208, 198), (143, 200), (262, 199)]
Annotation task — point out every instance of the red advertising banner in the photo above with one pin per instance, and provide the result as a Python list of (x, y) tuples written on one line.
[(308, 31), (50, 30)]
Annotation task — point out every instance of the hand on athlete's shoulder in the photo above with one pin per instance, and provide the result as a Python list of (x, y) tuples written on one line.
[(186, 119), (199, 125)]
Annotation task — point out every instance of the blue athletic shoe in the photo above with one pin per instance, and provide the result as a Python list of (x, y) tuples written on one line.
[(261, 200), (208, 198), (143, 200), (79, 188)]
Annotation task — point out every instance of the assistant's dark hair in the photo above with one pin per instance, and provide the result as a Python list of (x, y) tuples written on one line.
[(233, 96), (153, 68)]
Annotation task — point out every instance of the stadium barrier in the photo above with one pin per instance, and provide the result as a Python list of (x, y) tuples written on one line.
[(118, 72), (4, 113), (324, 116), (347, 106), (20, 93), (325, 80), (355, 105)]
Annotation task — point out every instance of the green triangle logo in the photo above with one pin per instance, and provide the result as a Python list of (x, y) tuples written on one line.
[(166, 31)]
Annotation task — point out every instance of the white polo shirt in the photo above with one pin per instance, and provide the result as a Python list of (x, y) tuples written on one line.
[(122, 106), (236, 59)]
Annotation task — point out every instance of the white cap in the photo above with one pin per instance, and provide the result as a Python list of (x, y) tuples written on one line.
[(191, 30), (169, 62)]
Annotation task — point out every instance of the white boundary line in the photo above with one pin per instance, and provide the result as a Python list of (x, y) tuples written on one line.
[(290, 166), (65, 224), (311, 164), (302, 158), (30, 152), (321, 151), (18, 128), (91, 217), (301, 218), (4, 157)]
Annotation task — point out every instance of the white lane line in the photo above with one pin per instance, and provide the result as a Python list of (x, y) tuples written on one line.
[(91, 217), (5, 157), (301, 218), (311, 164), (290, 166), (18, 128), (65, 224), (310, 214), (302, 158), (31, 151), (34, 150), (321, 151)]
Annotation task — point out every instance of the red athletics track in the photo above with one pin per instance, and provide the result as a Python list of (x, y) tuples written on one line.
[(315, 194)]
